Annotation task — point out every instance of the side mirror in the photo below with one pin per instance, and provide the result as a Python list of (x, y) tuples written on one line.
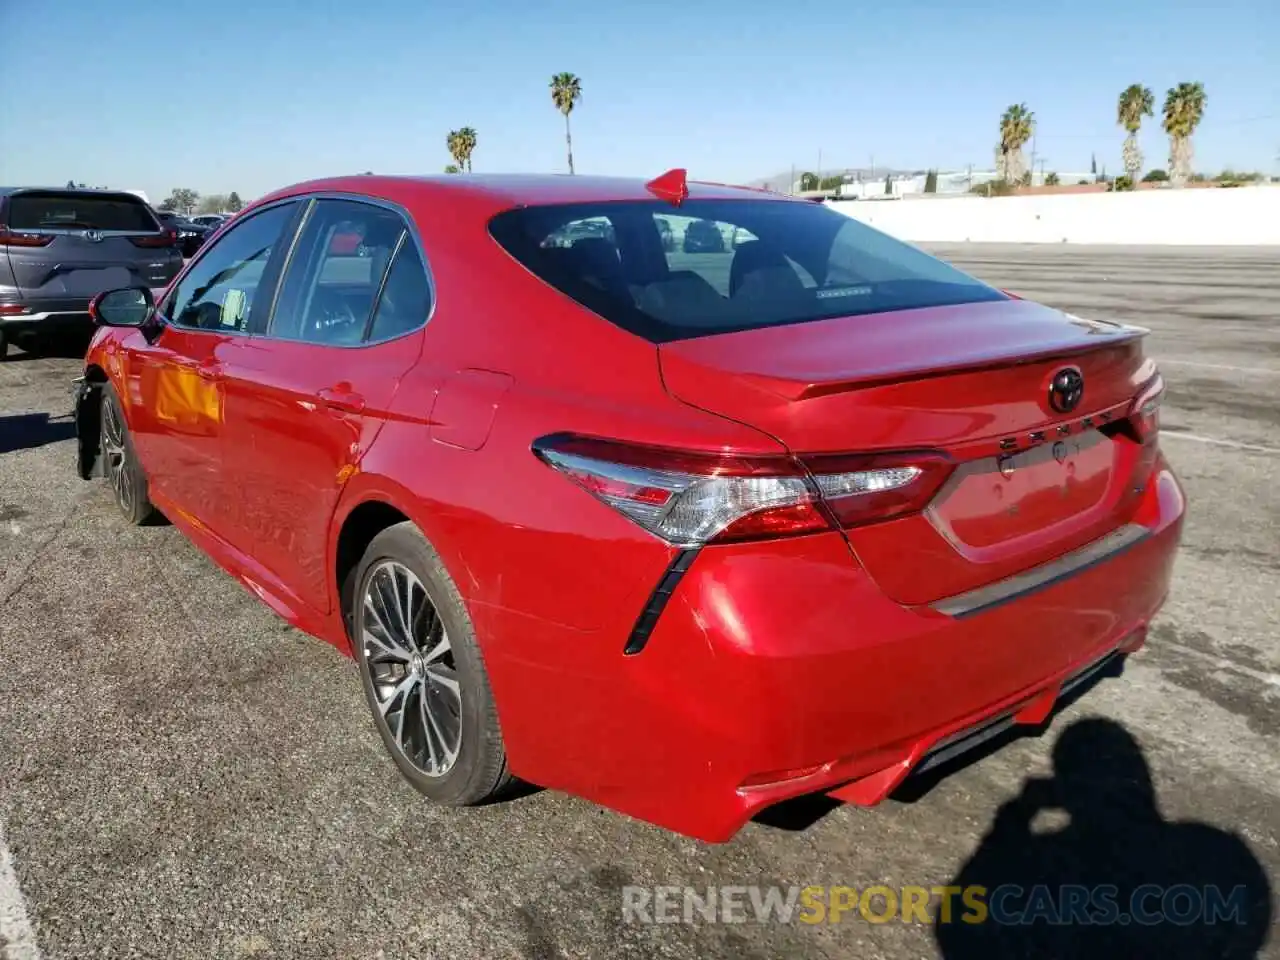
[(129, 307)]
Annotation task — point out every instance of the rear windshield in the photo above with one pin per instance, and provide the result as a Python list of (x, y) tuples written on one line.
[(716, 266), (56, 209)]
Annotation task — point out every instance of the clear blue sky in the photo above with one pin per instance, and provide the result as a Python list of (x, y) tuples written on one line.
[(247, 96)]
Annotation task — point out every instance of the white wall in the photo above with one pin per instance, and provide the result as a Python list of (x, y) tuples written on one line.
[(1241, 216)]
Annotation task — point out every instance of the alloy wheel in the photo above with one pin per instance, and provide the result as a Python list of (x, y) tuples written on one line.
[(117, 456), (411, 665)]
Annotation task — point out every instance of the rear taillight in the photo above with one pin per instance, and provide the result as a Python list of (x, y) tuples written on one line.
[(867, 489), (690, 499), (166, 239), (1145, 414), (22, 238)]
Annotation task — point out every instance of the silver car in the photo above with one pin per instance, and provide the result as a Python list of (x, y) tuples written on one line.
[(59, 248)]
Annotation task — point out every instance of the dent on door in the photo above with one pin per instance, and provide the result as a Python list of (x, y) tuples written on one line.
[(465, 406)]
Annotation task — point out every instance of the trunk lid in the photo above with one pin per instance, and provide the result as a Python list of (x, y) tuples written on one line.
[(1030, 482)]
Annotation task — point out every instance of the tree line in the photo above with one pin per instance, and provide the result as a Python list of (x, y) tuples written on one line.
[(188, 202), (1183, 110), (566, 91)]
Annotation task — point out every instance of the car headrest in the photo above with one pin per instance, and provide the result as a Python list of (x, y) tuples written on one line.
[(596, 259), (751, 256)]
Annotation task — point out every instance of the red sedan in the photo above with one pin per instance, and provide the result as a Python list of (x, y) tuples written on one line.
[(685, 533)]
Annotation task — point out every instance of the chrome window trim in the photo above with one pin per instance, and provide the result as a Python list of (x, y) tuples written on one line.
[(410, 229), (200, 255), (1045, 575)]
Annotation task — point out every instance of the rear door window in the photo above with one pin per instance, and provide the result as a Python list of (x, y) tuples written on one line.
[(74, 210), (405, 300), (717, 266), (336, 271)]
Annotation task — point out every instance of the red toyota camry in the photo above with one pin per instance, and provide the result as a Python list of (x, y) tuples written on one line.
[(684, 498)]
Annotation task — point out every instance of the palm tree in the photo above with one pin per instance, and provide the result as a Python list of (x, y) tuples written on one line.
[(455, 144), (1016, 127), (467, 143), (1135, 103), (1183, 111), (566, 91)]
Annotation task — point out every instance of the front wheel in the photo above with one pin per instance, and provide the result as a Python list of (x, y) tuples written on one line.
[(120, 461), (422, 671)]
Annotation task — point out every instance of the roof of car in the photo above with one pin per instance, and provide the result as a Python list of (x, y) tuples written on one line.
[(8, 191), (513, 189)]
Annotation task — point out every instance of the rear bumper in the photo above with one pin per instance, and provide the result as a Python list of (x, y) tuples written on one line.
[(48, 315), (781, 669)]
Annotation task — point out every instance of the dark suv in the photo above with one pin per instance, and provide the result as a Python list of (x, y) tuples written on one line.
[(59, 248)]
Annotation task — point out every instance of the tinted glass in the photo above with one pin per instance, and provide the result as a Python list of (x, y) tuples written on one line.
[(406, 297), (53, 209), (222, 286), (724, 265), (334, 274)]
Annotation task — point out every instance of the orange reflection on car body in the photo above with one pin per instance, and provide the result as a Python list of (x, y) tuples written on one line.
[(184, 399)]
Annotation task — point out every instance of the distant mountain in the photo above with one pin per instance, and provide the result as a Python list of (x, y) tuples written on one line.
[(782, 181)]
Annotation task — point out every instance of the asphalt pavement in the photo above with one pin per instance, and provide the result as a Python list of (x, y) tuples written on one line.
[(182, 775)]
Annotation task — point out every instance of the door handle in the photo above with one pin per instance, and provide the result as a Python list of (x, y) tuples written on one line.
[(341, 398)]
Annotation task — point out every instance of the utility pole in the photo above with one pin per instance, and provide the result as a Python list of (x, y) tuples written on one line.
[(791, 189), (819, 166)]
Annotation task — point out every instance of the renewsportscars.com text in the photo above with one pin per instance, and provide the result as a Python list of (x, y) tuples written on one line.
[(1007, 904)]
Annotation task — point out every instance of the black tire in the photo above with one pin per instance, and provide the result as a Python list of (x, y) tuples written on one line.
[(120, 461), (479, 771)]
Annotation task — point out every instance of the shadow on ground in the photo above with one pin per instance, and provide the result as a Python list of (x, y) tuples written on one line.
[(25, 430), (1116, 879), (1083, 865)]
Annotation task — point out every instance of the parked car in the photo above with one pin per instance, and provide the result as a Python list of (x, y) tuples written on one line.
[(211, 220), (702, 236), (191, 235), (687, 550), (585, 230), (60, 247)]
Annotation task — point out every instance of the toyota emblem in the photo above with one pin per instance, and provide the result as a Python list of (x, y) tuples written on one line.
[(1066, 390)]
